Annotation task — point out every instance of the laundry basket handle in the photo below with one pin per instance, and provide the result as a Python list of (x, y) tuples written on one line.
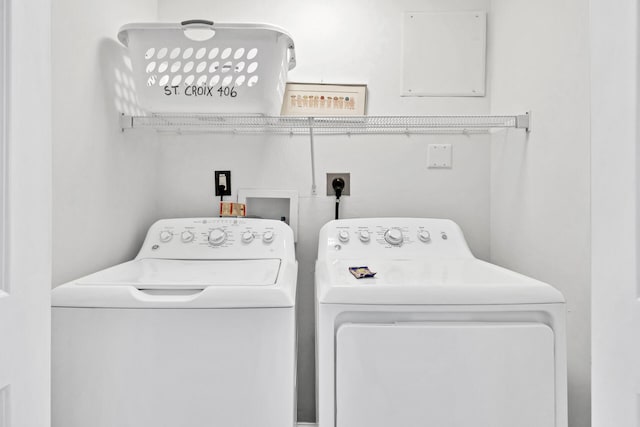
[(196, 22)]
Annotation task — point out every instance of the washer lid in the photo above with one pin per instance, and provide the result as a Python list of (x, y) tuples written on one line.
[(186, 274), (431, 281), (171, 283)]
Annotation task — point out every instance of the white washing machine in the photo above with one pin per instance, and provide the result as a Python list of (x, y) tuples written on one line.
[(198, 330), (436, 337)]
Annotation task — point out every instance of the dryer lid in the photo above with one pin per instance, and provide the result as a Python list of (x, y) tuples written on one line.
[(186, 274), (440, 281)]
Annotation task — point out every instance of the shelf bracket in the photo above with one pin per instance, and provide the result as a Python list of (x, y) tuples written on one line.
[(523, 121), (126, 122)]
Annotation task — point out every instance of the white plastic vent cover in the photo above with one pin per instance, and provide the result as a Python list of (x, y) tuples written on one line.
[(202, 67)]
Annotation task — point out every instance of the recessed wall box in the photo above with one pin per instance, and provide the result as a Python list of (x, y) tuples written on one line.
[(272, 204)]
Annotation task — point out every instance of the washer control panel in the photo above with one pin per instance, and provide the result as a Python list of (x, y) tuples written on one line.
[(405, 237), (218, 238)]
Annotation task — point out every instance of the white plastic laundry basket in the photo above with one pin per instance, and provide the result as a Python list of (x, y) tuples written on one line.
[(204, 67)]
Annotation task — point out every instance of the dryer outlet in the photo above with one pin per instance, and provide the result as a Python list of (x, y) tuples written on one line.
[(346, 176)]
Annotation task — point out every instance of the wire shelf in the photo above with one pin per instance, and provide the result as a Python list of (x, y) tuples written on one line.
[(344, 125)]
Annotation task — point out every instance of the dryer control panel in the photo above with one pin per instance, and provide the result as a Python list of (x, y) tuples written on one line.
[(392, 237), (218, 238)]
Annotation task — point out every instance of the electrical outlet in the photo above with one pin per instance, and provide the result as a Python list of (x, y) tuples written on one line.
[(347, 183), (223, 178)]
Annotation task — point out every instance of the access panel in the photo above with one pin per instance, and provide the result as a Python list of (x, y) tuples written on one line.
[(453, 374)]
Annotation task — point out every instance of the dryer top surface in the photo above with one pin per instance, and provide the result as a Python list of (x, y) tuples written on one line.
[(416, 261)]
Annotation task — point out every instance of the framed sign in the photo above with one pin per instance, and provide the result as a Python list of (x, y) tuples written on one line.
[(306, 99)]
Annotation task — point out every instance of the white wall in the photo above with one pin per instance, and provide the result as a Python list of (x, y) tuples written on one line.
[(338, 42), (539, 60), (614, 181), (104, 180)]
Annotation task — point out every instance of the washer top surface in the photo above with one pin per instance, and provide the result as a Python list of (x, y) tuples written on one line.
[(196, 263), (416, 261), (186, 274)]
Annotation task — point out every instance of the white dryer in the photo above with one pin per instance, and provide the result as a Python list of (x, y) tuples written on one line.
[(198, 330), (436, 337)]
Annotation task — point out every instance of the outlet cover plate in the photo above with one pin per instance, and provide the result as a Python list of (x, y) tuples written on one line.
[(439, 156), (227, 190), (347, 183)]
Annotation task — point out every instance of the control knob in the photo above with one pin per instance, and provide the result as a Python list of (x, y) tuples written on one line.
[(365, 236), (247, 237), (268, 236), (393, 236), (424, 236), (217, 237), (343, 236), (165, 236), (186, 236)]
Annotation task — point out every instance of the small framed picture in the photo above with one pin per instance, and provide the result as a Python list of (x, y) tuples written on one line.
[(307, 99)]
